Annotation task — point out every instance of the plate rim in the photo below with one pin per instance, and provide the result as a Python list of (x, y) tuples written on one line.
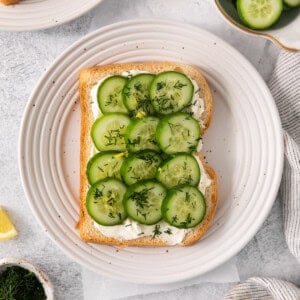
[(157, 21), (38, 26)]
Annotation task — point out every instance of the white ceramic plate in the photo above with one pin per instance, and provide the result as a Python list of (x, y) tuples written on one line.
[(244, 145), (40, 14)]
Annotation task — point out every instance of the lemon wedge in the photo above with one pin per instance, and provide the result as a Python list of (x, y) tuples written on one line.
[(7, 229)]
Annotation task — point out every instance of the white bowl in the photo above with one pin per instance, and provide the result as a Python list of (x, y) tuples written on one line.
[(42, 277), (285, 33)]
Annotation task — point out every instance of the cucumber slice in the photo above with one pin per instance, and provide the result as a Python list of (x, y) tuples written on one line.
[(292, 3), (171, 92), (140, 166), (108, 132), (136, 94), (104, 202), (140, 134), (259, 14), (102, 165), (109, 95), (143, 200), (184, 207), (178, 132), (179, 170)]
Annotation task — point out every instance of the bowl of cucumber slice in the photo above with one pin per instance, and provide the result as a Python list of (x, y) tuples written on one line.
[(276, 20)]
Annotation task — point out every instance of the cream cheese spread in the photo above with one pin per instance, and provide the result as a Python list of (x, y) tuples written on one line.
[(130, 229)]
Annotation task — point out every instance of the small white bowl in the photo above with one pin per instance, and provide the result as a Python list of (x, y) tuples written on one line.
[(285, 33), (42, 277)]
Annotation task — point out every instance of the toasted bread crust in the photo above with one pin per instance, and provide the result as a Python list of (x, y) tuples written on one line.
[(88, 79), (211, 206)]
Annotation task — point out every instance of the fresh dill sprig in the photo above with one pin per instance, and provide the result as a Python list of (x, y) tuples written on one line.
[(114, 135), (178, 85), (160, 85), (174, 219), (168, 231), (19, 283), (187, 221), (173, 127), (112, 99), (98, 194), (111, 198), (164, 102), (100, 169), (156, 231), (134, 142), (139, 86), (141, 198), (187, 197), (148, 158), (111, 215)]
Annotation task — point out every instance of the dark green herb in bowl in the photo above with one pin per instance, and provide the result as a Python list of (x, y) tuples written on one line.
[(17, 283)]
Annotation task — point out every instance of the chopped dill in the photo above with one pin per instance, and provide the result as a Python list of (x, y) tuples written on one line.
[(98, 194), (173, 127), (160, 85), (178, 85), (135, 141), (148, 158), (156, 231), (113, 136), (100, 169), (139, 86), (174, 219), (168, 231), (111, 215), (164, 103), (19, 283), (187, 197), (141, 198), (187, 221)]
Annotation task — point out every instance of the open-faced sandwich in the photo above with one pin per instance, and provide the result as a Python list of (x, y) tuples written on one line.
[(143, 181)]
